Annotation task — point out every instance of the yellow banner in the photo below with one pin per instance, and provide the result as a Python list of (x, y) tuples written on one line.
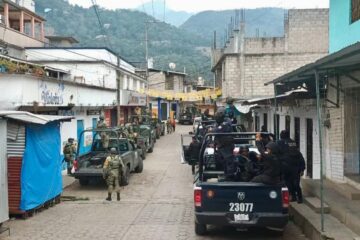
[(192, 96)]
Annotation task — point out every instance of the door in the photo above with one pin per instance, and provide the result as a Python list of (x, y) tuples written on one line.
[(4, 204), (309, 147), (164, 114), (276, 125), (297, 131), (94, 123), (80, 128), (288, 124), (265, 122), (257, 123)]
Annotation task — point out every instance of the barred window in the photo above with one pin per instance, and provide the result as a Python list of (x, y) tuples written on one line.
[(355, 10), (169, 83)]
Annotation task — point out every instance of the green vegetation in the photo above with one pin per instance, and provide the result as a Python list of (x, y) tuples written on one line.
[(167, 43), (269, 21)]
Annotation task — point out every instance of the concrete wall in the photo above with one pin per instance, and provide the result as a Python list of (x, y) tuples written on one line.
[(308, 31), (27, 89), (306, 110), (14, 37), (264, 45), (342, 31)]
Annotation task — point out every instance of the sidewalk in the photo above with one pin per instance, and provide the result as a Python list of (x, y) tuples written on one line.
[(67, 180), (343, 218)]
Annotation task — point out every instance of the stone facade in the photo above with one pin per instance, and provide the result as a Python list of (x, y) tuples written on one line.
[(247, 63)]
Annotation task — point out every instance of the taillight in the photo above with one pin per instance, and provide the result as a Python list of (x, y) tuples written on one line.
[(75, 164), (285, 197), (197, 196)]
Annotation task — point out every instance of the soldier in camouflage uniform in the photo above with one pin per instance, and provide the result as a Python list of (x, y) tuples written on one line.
[(112, 171), (101, 124), (69, 152)]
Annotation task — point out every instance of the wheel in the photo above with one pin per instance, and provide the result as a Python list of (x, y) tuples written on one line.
[(151, 149), (158, 136), (143, 155), (140, 167), (125, 178), (84, 182), (200, 229)]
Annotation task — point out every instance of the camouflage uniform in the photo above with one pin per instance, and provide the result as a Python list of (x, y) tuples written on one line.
[(104, 136), (112, 169), (69, 152)]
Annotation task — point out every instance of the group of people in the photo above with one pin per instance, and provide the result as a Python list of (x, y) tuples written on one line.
[(275, 162)]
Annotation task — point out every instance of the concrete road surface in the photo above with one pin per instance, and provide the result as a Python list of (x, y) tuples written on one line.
[(158, 204)]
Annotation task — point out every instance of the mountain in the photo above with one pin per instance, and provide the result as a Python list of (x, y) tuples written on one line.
[(126, 31), (269, 21), (172, 17)]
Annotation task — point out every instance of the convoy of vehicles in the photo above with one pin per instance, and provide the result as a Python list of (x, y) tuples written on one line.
[(188, 115)]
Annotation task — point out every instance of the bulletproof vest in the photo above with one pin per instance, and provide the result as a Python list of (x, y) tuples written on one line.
[(114, 162), (68, 148)]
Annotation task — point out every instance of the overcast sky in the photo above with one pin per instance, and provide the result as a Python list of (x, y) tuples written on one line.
[(201, 5)]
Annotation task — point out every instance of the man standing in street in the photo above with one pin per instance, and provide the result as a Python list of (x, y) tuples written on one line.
[(293, 165), (112, 170), (69, 152)]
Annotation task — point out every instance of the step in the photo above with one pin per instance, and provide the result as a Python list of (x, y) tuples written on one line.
[(315, 204), (347, 191), (310, 223)]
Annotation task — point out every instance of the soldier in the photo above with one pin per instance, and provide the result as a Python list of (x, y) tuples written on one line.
[(112, 171), (69, 152), (101, 124)]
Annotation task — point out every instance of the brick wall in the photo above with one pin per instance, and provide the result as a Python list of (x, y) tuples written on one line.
[(264, 45)]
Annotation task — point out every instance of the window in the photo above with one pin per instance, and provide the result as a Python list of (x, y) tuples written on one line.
[(288, 123), (169, 83), (355, 10), (257, 123), (276, 125), (265, 122)]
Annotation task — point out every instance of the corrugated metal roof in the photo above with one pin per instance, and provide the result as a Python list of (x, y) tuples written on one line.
[(33, 118), (286, 94)]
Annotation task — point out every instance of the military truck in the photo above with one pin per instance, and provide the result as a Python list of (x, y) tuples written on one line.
[(188, 115), (144, 132), (89, 163)]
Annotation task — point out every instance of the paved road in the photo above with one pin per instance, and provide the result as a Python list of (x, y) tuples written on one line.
[(156, 205)]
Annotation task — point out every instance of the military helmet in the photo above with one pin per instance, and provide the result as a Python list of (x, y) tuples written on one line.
[(71, 140), (220, 115), (113, 151), (273, 147), (101, 117)]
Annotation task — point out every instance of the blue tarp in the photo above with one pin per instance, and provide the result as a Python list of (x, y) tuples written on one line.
[(41, 178)]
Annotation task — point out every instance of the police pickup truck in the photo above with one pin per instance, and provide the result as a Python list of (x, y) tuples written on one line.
[(241, 204), (89, 162)]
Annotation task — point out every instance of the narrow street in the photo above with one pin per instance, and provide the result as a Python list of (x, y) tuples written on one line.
[(156, 205)]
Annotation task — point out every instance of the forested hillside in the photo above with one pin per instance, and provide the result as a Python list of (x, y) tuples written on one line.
[(269, 21), (126, 29)]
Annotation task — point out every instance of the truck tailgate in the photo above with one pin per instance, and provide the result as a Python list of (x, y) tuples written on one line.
[(235, 197)]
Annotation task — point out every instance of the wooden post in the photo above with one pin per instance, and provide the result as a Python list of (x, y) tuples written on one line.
[(33, 27), (6, 14), (21, 22)]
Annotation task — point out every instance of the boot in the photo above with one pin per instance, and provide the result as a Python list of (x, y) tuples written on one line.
[(118, 196), (109, 197)]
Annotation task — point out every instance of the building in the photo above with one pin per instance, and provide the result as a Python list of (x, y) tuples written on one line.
[(102, 69), (170, 81), (338, 79), (344, 22), (244, 64), (20, 27)]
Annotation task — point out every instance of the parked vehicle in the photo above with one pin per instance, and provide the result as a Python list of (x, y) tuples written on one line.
[(221, 202), (90, 164), (158, 126), (144, 131), (188, 115)]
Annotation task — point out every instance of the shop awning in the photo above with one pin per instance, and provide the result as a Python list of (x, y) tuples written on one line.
[(33, 118), (257, 101), (244, 108)]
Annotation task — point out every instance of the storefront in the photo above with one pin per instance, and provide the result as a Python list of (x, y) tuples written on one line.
[(131, 103)]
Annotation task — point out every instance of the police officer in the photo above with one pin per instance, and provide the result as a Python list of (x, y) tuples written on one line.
[(271, 174), (223, 126), (69, 152), (230, 110), (112, 171), (193, 152), (292, 164)]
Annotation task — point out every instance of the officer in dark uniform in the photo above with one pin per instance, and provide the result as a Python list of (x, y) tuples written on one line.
[(222, 126), (292, 164), (271, 174), (193, 152)]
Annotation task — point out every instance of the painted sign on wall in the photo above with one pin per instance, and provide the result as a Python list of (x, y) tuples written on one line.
[(52, 95)]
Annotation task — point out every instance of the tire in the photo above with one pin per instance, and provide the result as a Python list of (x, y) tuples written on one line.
[(151, 150), (143, 155), (200, 229), (84, 181), (140, 167), (125, 178)]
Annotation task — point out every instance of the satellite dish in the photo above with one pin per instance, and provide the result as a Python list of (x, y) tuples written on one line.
[(46, 10), (172, 66)]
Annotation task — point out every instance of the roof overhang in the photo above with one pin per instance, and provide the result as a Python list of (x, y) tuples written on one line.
[(33, 118)]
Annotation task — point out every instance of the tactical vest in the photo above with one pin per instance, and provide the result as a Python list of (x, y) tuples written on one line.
[(115, 163)]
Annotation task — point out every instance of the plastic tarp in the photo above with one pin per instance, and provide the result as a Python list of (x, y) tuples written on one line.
[(41, 178)]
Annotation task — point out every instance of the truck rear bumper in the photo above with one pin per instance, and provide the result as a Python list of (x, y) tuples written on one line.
[(271, 220), (89, 173)]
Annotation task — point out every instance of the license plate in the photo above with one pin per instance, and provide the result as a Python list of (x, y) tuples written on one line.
[(241, 207), (241, 217)]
